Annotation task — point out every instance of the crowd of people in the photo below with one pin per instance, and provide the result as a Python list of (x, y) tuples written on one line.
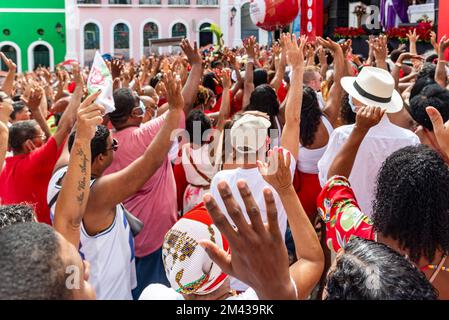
[(299, 170)]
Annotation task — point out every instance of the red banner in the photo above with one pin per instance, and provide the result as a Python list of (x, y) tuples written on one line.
[(312, 18), (443, 22)]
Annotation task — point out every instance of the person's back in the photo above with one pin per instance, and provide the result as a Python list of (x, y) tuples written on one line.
[(380, 142), (256, 183), (371, 87)]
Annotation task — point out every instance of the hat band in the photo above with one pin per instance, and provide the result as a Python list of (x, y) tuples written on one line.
[(370, 96)]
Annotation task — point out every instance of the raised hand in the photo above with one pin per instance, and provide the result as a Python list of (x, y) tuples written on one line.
[(412, 37), (408, 56), (329, 44), (33, 100), (8, 62), (89, 116), (322, 56), (440, 129), (172, 86), (433, 41), (444, 44), (192, 53), (250, 46), (226, 79), (368, 117), (276, 48), (380, 48), (259, 257), (116, 68), (77, 75), (295, 53), (277, 171)]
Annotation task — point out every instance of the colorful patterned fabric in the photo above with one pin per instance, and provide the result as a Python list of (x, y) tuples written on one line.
[(339, 210), (188, 267)]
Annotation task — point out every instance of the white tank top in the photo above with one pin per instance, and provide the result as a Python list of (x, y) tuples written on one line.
[(110, 253), (308, 158)]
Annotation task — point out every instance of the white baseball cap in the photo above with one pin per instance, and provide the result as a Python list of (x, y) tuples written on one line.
[(249, 133)]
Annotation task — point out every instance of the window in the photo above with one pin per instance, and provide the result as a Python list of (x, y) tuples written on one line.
[(121, 40), (89, 1), (11, 53), (149, 1), (91, 42), (179, 2), (206, 37), (179, 30), (150, 31), (207, 2), (119, 1)]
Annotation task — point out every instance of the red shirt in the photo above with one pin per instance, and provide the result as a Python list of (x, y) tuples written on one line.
[(25, 178)]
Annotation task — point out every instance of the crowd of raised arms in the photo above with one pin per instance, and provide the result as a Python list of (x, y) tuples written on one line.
[(298, 170)]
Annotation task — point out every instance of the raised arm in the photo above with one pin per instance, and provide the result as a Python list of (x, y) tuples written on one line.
[(5, 111), (69, 116), (441, 73), (122, 184), (248, 85), (258, 256), (280, 64), (381, 52), (366, 118), (398, 66), (8, 84), (307, 271), (33, 102), (225, 107), (72, 199), (190, 89), (295, 58), (413, 38), (332, 108)]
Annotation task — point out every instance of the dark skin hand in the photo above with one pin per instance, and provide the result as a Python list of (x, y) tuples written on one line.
[(259, 256)]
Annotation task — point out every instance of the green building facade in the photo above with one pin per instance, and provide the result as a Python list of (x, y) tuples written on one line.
[(32, 32)]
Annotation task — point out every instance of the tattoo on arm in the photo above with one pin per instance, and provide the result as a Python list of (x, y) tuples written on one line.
[(82, 183)]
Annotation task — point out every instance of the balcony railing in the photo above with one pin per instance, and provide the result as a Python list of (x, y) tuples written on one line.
[(207, 2), (149, 2), (179, 2)]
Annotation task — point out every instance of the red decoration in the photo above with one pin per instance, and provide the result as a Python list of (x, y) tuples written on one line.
[(350, 32), (273, 14), (312, 18), (423, 29)]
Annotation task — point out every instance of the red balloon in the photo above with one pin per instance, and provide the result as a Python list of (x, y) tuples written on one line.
[(273, 14)]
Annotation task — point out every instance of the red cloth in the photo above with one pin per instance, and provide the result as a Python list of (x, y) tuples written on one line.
[(181, 183), (308, 189), (282, 92), (25, 178), (72, 86), (217, 105)]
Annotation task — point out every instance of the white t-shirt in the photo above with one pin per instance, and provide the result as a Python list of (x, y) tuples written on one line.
[(256, 184), (158, 291), (110, 253)]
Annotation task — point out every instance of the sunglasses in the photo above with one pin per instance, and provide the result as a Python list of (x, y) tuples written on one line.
[(114, 146)]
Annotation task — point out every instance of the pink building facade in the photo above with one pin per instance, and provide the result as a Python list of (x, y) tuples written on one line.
[(123, 27)]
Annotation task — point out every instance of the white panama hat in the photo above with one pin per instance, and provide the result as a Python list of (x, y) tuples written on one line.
[(374, 87)]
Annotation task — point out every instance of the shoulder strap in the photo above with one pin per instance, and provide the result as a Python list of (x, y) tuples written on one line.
[(202, 175), (438, 269)]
